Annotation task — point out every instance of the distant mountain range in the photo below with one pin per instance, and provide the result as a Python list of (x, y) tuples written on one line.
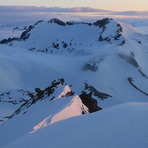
[(59, 9)]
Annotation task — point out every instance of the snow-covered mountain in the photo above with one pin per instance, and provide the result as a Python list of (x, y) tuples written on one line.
[(68, 36), (58, 70)]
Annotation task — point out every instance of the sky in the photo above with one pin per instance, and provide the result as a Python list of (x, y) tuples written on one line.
[(116, 5)]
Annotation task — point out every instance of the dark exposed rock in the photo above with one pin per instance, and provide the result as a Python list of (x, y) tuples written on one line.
[(68, 94), (130, 59), (5, 41), (40, 95), (69, 23), (131, 80), (25, 35), (92, 67), (2, 94), (52, 98), (62, 81), (32, 49), (107, 39), (143, 74), (8, 93), (96, 93), (117, 37), (57, 21), (74, 23), (16, 28), (39, 92), (101, 38), (25, 28), (118, 33), (46, 50), (120, 28), (9, 98), (102, 23), (55, 45), (40, 21), (123, 42), (89, 102), (65, 45), (89, 24)]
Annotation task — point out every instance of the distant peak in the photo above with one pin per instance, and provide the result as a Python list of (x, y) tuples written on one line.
[(57, 21), (102, 22), (40, 21), (99, 23)]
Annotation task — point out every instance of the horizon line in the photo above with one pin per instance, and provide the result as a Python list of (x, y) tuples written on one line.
[(90, 9)]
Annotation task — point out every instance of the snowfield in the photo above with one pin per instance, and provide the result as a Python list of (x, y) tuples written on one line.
[(58, 70), (119, 126)]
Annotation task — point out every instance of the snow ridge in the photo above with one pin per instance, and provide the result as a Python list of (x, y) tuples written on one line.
[(74, 108)]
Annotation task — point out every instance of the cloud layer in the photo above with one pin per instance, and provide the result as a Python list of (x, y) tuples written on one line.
[(28, 14)]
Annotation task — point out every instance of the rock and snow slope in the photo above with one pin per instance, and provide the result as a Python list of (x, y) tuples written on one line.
[(105, 60), (43, 109), (57, 36)]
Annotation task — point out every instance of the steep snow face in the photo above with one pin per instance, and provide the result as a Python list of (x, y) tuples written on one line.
[(74, 108), (119, 126)]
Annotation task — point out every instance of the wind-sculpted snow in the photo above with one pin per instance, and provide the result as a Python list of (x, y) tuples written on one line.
[(120, 126)]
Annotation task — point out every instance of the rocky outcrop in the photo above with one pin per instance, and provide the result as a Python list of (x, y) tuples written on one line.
[(39, 95), (57, 21), (5, 41), (95, 92), (89, 102), (110, 37), (92, 67), (53, 92), (25, 35), (102, 23), (16, 97)]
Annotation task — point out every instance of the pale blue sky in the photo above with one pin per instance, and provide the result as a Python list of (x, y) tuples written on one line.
[(118, 5)]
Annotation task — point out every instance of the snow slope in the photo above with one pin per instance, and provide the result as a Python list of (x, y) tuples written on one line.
[(119, 126)]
